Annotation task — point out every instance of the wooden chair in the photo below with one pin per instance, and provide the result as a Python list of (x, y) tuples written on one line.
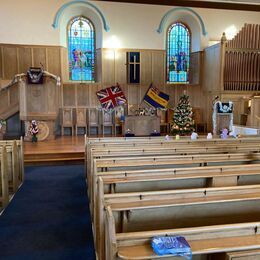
[(81, 120), (107, 122), (93, 121), (67, 120)]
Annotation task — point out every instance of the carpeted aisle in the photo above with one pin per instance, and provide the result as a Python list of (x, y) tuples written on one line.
[(49, 217)]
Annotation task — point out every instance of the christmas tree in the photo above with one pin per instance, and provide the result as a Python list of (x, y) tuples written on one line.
[(183, 124)]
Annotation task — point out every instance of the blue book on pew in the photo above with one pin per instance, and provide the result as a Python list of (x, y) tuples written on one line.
[(174, 245)]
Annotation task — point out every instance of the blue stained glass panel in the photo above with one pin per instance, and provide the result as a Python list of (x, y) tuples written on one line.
[(81, 50), (178, 53)]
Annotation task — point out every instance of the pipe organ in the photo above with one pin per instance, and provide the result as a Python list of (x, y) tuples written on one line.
[(242, 60)]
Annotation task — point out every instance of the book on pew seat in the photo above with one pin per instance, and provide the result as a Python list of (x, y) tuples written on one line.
[(175, 245)]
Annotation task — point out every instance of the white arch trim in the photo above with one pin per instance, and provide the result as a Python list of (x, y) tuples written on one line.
[(65, 6), (166, 16)]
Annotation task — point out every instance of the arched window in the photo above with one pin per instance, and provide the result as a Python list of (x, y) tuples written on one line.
[(81, 49), (178, 53)]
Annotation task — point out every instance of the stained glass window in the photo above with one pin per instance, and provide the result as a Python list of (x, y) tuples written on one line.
[(81, 49), (178, 53)]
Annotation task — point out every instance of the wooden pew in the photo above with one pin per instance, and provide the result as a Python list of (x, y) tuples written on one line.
[(20, 149), (4, 186), (148, 141), (160, 162), (14, 165), (174, 208), (203, 240), (182, 179), (193, 177), (183, 139), (157, 162), (151, 147), (243, 255), (103, 143), (153, 150), (169, 179), (163, 143), (107, 153)]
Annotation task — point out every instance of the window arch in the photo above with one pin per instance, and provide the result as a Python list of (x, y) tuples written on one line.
[(178, 53), (81, 49)]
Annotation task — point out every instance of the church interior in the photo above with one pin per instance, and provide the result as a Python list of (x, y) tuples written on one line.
[(130, 129)]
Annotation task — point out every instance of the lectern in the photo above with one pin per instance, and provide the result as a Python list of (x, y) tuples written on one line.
[(40, 102), (222, 116)]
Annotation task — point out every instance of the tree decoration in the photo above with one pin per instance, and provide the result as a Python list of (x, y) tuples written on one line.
[(182, 123)]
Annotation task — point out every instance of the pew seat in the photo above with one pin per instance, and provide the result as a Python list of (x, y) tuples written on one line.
[(204, 240), (204, 246)]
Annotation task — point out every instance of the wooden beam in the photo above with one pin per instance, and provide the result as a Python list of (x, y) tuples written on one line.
[(195, 3)]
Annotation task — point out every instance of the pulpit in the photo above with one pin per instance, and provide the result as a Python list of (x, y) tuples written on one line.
[(142, 125), (222, 116), (40, 102)]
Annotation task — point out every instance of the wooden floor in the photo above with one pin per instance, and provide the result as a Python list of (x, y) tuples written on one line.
[(61, 150)]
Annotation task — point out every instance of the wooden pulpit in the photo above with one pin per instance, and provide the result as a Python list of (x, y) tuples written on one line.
[(222, 116), (40, 102)]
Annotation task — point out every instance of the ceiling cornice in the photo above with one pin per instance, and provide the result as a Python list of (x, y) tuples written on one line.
[(195, 3)]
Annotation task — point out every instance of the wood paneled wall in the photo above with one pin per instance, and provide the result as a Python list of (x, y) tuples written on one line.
[(9, 101), (111, 68), (16, 59), (84, 95)]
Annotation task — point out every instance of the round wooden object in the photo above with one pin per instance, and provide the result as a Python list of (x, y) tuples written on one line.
[(44, 131)]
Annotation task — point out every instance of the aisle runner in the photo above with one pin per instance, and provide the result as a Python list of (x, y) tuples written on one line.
[(49, 217)]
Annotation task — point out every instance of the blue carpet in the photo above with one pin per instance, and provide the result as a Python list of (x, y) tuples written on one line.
[(49, 217)]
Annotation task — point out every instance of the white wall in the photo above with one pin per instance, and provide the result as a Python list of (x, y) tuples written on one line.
[(131, 25)]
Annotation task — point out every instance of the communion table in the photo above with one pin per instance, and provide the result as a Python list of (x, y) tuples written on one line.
[(142, 125)]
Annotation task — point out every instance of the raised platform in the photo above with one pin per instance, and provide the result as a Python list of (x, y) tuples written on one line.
[(62, 150), (245, 130)]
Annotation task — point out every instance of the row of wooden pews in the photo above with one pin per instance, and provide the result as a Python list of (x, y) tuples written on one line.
[(12, 169), (205, 190)]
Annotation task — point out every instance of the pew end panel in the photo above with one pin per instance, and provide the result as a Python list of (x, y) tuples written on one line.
[(4, 178)]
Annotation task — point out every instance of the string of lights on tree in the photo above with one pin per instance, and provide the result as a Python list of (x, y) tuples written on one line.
[(182, 123)]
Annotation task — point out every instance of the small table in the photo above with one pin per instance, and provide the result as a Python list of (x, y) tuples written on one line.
[(142, 125)]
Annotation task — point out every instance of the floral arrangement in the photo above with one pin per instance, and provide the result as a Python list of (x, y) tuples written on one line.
[(2, 124), (34, 130)]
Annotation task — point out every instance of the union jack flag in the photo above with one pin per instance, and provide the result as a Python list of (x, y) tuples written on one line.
[(111, 97)]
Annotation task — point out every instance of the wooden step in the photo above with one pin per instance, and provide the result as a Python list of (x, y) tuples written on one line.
[(53, 158)]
